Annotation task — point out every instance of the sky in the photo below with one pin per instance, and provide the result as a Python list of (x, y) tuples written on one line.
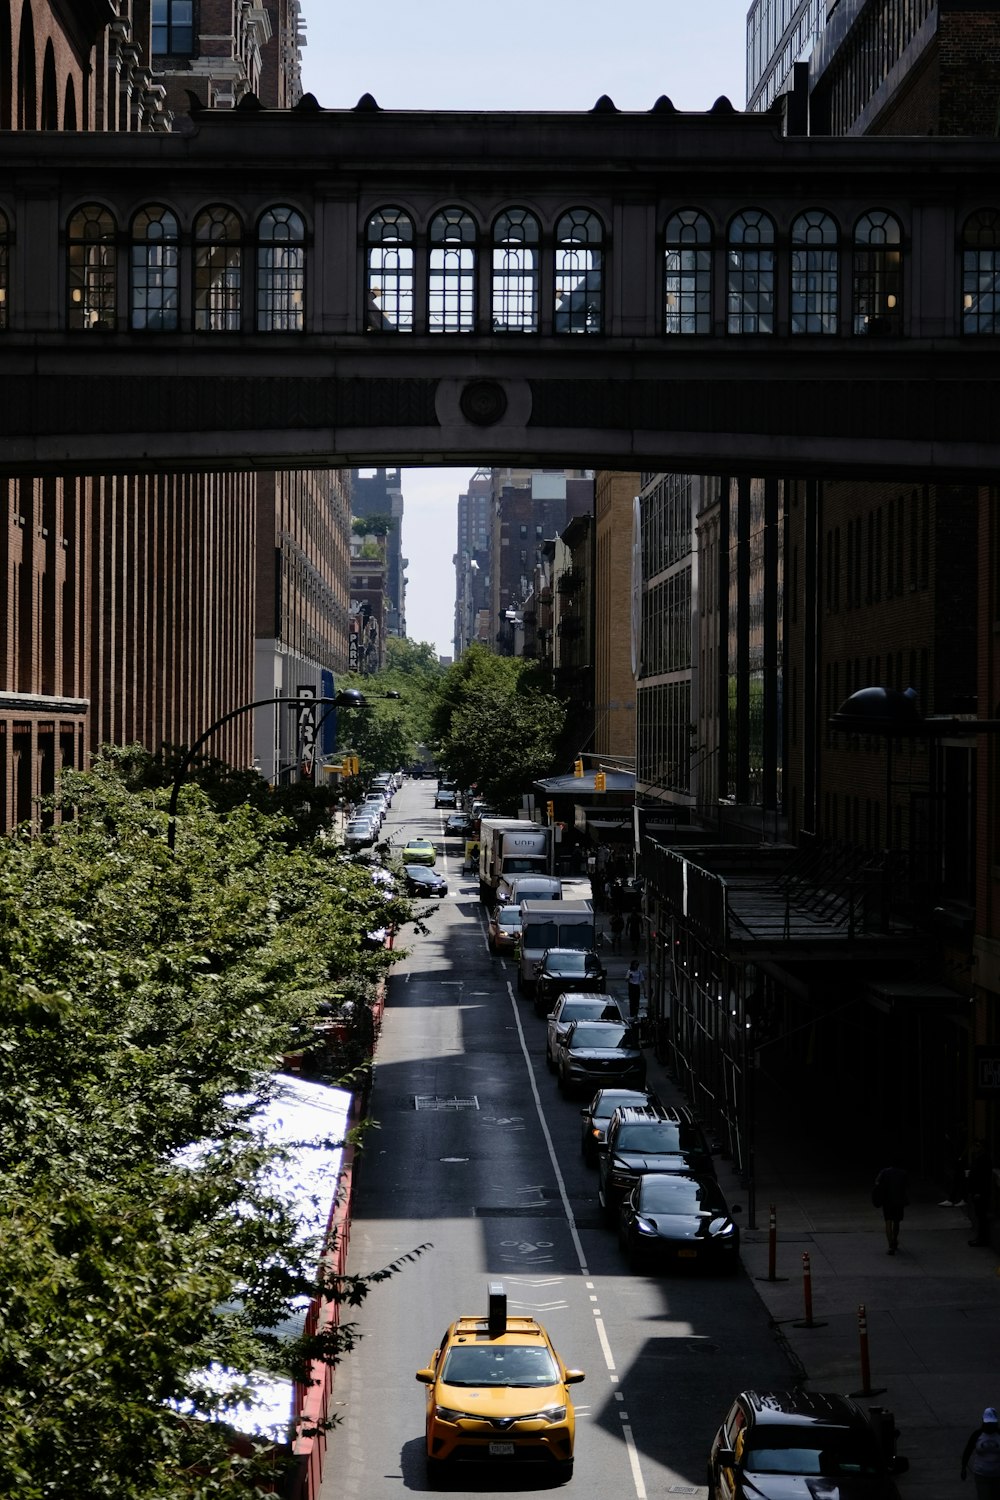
[(518, 54)]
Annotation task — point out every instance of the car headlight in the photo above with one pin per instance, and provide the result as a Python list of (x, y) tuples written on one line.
[(547, 1414), (726, 1231), (448, 1414), (644, 1226)]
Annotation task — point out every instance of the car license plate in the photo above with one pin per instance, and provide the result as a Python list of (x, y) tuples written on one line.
[(501, 1450), (688, 1254)]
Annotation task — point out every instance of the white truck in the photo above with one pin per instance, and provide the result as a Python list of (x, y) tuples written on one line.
[(511, 846), (552, 924)]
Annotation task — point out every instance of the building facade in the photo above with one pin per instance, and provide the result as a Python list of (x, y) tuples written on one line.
[(378, 493)]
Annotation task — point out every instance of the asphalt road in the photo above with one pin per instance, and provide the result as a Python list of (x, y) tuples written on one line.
[(476, 1157)]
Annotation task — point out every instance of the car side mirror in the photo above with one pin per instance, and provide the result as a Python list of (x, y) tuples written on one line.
[(426, 1377), (735, 1208), (573, 1377)]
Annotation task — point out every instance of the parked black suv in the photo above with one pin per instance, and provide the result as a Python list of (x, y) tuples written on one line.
[(649, 1138), (780, 1443)]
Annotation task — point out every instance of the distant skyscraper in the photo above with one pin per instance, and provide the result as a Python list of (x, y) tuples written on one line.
[(378, 494)]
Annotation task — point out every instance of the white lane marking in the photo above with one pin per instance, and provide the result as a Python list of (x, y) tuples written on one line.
[(609, 1359)]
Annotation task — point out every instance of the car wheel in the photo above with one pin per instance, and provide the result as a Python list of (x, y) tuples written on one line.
[(435, 1472), (565, 1470), (549, 1060), (491, 945)]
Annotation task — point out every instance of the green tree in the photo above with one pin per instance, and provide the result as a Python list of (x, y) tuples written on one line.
[(144, 1003), (496, 730)]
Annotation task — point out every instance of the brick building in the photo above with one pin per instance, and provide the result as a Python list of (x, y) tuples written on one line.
[(614, 677)]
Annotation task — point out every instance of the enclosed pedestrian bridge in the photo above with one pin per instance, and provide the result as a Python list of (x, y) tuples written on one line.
[(659, 290)]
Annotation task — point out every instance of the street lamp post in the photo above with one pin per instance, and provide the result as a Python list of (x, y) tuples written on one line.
[(348, 698)]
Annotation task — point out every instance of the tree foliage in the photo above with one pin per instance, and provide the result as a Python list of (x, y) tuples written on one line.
[(145, 1002), (495, 728), (386, 733)]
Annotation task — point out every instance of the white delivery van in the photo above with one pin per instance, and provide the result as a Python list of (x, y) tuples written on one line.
[(552, 924), (513, 889)]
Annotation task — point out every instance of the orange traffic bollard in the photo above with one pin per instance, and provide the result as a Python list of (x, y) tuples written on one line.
[(866, 1372)]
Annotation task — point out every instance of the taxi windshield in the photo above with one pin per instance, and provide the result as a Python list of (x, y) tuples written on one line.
[(498, 1364)]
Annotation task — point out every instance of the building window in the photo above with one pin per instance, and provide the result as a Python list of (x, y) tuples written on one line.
[(281, 272), (389, 251), (878, 282), (981, 272), (173, 27), (515, 272), (155, 268), (688, 273), (750, 274), (814, 273), (4, 269), (579, 273), (93, 269), (452, 284), (218, 271)]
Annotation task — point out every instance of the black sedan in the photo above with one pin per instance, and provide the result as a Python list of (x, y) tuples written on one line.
[(678, 1220), (421, 880), (777, 1444), (458, 826), (594, 1052), (598, 1112), (561, 970)]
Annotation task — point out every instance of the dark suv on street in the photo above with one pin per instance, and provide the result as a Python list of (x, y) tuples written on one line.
[(649, 1138)]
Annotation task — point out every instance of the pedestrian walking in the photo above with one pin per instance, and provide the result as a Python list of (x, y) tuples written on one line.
[(982, 1456), (617, 925), (979, 1190), (890, 1194), (635, 931), (634, 980)]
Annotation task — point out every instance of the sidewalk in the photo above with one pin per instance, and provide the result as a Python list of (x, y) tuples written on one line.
[(933, 1309)]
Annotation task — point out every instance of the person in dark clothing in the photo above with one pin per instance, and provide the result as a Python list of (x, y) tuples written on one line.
[(979, 1189), (890, 1194), (635, 931), (982, 1455)]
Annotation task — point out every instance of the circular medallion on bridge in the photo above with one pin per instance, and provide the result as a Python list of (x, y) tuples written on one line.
[(483, 402)]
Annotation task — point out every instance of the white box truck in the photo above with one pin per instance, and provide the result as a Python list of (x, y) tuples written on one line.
[(552, 924)]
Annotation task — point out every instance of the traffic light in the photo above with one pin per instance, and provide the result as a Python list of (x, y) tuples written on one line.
[(600, 782), (578, 768)]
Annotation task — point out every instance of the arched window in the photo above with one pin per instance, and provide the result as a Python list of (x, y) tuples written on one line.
[(281, 271), (981, 272), (750, 274), (155, 268), (814, 273), (687, 302), (4, 269), (516, 238), (579, 273), (878, 279), (389, 250), (93, 269), (451, 303), (218, 271)]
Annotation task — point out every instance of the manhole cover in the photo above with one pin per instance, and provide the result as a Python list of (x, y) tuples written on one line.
[(444, 1101)]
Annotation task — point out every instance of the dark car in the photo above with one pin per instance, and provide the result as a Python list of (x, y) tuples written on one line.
[(777, 1444), (458, 825), (423, 881), (595, 1052), (650, 1138), (671, 1219), (597, 1117), (560, 970), (577, 1006), (446, 796)]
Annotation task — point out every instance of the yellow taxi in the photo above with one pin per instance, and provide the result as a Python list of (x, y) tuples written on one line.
[(497, 1391)]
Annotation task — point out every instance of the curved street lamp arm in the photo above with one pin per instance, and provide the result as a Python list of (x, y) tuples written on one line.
[(338, 701)]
